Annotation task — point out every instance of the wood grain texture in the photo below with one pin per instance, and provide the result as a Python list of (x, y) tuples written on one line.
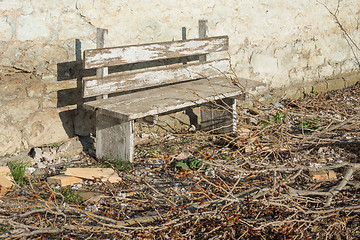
[(101, 41), (165, 99), (114, 138), (144, 79), (95, 58), (219, 117)]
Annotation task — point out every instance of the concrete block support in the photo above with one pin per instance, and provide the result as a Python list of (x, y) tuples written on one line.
[(219, 117), (114, 138)]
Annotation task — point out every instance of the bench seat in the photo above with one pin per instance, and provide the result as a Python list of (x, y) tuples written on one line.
[(168, 98)]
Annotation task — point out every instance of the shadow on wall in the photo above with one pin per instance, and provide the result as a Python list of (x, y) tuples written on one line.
[(82, 121)]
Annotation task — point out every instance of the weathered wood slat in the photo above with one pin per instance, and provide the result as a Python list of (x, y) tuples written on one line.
[(131, 81), (95, 58), (168, 98), (101, 39)]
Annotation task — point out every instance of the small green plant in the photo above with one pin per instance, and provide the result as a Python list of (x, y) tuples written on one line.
[(152, 152), (191, 163), (18, 169), (224, 157), (140, 196), (194, 163), (279, 117), (313, 91), (70, 196), (4, 228), (66, 167), (55, 145), (268, 122), (309, 124), (181, 165), (119, 164)]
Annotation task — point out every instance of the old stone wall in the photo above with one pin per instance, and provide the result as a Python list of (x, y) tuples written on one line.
[(277, 42)]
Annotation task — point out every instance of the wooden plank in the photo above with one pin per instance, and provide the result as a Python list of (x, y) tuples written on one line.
[(5, 185), (95, 58), (104, 174), (138, 80), (219, 116), (114, 138), (63, 180), (5, 172), (165, 99), (101, 39), (203, 33)]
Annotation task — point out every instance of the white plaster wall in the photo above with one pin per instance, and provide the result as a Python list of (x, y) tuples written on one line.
[(279, 42), (275, 41)]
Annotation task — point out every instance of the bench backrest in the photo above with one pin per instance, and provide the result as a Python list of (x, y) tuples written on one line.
[(115, 56)]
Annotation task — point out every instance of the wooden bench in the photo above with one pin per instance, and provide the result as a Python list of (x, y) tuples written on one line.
[(157, 90)]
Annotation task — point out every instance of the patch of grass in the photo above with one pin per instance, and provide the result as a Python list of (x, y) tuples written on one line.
[(224, 157), (191, 163), (194, 163), (277, 118), (66, 167), (152, 152), (309, 124), (18, 169), (70, 196), (118, 164), (181, 165), (4, 228), (55, 145)]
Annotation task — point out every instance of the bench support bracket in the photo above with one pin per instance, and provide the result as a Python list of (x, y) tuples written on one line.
[(114, 138)]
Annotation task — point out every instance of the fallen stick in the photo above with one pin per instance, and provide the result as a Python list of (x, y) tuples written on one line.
[(335, 190)]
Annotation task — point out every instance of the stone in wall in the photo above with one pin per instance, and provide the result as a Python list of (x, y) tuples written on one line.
[(21, 109), (10, 139), (49, 127), (264, 64), (5, 30), (32, 27)]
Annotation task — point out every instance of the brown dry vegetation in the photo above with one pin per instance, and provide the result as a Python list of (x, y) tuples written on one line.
[(254, 185)]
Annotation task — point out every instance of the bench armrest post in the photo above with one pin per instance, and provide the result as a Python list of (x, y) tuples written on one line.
[(203, 33), (101, 39)]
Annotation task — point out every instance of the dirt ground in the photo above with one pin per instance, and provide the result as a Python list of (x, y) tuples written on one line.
[(260, 183)]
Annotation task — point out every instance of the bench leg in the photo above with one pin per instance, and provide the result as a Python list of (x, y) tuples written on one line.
[(219, 117), (114, 138)]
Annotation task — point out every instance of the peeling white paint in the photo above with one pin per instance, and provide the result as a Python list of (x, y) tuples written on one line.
[(121, 82)]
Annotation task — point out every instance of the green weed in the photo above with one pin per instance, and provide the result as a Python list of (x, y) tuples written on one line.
[(4, 228), (224, 157), (313, 91), (277, 118), (181, 165), (18, 169), (66, 167), (309, 124), (191, 163), (70, 196), (119, 164), (152, 152), (194, 163), (55, 145)]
